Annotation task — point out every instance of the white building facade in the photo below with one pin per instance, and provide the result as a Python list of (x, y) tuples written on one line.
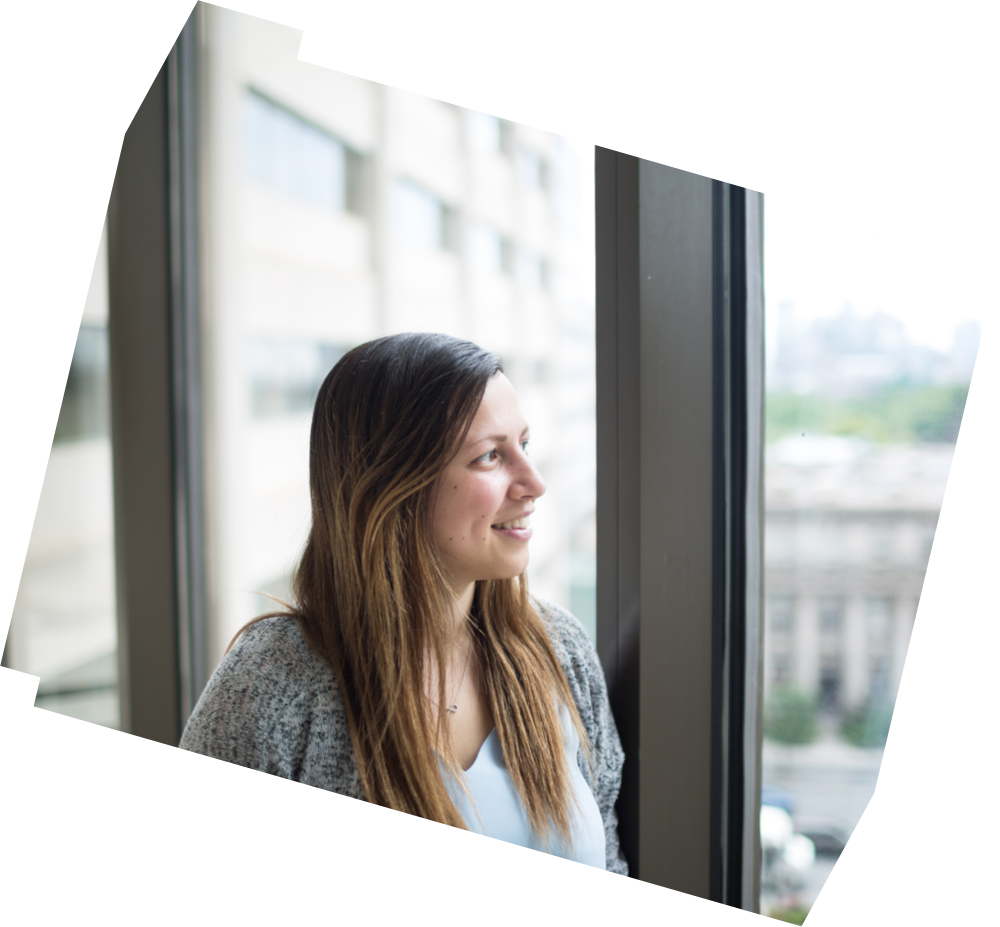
[(337, 210), (849, 527)]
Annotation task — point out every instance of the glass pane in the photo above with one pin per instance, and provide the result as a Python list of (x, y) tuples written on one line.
[(446, 228), (862, 412), (63, 627), (419, 215), (286, 152)]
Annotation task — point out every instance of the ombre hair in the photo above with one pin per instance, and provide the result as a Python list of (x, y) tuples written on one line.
[(371, 596)]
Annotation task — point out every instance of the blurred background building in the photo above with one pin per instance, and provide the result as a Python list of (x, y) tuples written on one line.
[(334, 210), (861, 425), (849, 527), (339, 210)]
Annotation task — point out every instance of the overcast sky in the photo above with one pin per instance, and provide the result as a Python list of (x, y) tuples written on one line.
[(818, 260)]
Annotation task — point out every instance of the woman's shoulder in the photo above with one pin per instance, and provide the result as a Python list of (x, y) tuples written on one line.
[(573, 646), (270, 684), (563, 626), (274, 652)]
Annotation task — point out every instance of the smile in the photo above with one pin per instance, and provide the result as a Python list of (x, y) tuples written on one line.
[(514, 523)]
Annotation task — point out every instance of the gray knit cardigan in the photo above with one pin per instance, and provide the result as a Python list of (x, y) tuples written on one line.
[(274, 705)]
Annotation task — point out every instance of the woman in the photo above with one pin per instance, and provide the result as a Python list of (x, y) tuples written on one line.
[(413, 670)]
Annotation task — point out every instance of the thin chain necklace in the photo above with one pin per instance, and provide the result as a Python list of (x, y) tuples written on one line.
[(453, 707)]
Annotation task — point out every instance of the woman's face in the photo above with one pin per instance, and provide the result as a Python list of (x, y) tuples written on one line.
[(484, 498)]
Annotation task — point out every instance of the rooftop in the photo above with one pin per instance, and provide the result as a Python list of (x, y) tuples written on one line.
[(827, 472)]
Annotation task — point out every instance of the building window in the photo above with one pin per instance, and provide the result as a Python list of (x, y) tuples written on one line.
[(781, 630), (881, 542), (484, 132), (507, 253), (420, 217), (878, 613), (831, 626), (782, 609), (879, 619), (288, 153), (532, 271), (489, 251), (830, 681), (781, 673), (831, 616), (530, 169), (286, 374)]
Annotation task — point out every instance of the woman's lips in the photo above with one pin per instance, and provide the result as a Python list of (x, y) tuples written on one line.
[(517, 528), (523, 522)]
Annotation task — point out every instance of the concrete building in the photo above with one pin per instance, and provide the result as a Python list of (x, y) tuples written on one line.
[(849, 527), (338, 210)]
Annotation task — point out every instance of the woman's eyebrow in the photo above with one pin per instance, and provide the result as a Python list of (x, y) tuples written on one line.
[(498, 439)]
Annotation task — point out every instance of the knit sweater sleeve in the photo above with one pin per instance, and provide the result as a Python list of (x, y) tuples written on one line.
[(272, 705), (583, 671)]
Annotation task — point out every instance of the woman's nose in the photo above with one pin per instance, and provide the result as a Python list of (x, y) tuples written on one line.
[(530, 482)]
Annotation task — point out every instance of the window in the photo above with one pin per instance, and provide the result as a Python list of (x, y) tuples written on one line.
[(532, 271), (881, 541), (285, 374), (532, 169), (782, 614), (290, 154), (879, 616), (831, 617), (419, 217), (779, 639), (484, 132), (489, 251)]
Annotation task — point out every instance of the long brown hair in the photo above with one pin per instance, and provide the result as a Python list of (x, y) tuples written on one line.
[(372, 599)]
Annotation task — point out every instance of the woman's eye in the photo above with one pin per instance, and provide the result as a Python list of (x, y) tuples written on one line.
[(524, 446), (488, 457)]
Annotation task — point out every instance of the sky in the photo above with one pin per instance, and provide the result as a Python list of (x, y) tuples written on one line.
[(819, 260)]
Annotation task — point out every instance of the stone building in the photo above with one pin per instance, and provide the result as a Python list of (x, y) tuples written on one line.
[(849, 527)]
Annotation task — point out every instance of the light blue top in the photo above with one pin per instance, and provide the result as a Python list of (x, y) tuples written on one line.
[(497, 811)]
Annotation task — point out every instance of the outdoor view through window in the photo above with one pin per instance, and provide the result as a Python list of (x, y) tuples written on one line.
[(335, 210), (863, 407)]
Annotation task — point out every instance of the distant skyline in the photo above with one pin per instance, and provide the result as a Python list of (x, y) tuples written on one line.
[(820, 266)]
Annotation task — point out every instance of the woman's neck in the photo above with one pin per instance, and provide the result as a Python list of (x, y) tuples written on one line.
[(463, 606)]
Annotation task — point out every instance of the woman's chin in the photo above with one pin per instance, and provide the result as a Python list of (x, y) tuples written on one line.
[(511, 572)]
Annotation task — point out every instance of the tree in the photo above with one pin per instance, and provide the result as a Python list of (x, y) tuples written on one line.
[(790, 716), (868, 724)]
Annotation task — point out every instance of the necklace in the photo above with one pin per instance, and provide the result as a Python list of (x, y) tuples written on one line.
[(453, 707)]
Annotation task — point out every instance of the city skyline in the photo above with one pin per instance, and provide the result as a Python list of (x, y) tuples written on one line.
[(819, 262)]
